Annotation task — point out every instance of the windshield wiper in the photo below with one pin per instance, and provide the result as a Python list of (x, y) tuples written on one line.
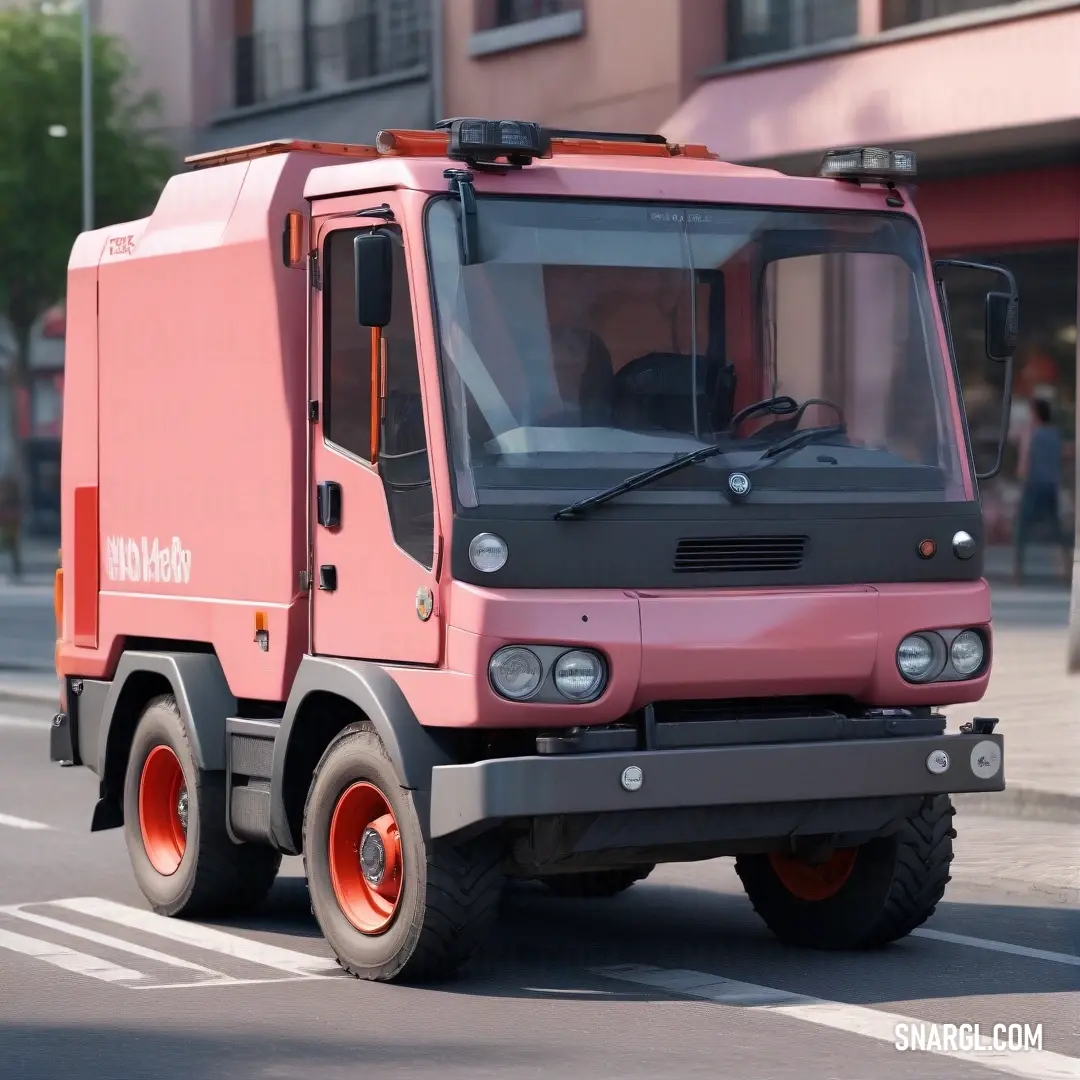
[(641, 479), (800, 438)]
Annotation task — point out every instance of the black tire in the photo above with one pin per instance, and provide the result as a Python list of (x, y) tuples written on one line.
[(894, 887), (597, 884), (215, 876), (449, 895)]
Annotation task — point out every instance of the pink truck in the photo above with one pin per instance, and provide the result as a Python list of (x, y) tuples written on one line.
[(500, 502)]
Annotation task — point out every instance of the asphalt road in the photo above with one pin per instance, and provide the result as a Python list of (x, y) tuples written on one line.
[(92, 985)]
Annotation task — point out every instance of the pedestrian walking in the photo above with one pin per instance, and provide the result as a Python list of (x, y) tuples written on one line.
[(1040, 471), (11, 522)]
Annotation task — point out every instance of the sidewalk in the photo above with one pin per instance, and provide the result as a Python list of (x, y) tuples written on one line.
[(1038, 706)]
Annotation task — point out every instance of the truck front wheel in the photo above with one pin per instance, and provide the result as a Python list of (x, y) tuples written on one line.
[(860, 897), (390, 904), (174, 825)]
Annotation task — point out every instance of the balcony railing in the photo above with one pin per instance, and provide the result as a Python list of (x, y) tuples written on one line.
[(381, 38), (763, 27)]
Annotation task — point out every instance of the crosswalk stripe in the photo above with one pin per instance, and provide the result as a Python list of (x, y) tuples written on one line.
[(999, 946), (21, 823), (201, 937), (62, 957), (108, 940), (854, 1019)]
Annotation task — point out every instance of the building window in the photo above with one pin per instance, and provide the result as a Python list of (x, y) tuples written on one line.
[(761, 27), (896, 13), (287, 47), (512, 12)]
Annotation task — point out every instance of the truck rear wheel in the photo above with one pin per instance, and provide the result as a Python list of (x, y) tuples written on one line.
[(861, 897), (174, 825), (595, 884), (391, 905)]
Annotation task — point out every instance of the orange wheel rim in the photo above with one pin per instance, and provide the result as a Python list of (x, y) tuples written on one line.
[(365, 858), (814, 881), (163, 810)]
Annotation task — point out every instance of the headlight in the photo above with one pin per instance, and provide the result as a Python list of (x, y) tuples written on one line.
[(579, 675), (967, 653), (515, 672), (915, 657)]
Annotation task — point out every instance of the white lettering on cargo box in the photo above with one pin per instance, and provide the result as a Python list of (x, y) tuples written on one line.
[(146, 560)]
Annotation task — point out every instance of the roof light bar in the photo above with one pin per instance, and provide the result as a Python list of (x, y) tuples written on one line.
[(869, 163), (487, 141)]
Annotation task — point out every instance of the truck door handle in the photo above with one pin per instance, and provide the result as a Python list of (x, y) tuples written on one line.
[(329, 504)]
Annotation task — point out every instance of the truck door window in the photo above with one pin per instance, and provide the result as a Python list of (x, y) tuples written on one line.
[(346, 353), (403, 456)]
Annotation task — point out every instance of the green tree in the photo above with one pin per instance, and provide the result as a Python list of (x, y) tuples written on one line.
[(41, 168)]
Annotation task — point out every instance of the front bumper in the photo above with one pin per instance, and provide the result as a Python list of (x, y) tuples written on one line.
[(465, 796)]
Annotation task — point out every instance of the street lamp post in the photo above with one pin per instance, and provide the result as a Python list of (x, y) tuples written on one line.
[(87, 118)]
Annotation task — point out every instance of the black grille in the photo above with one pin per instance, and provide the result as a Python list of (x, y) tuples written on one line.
[(738, 554)]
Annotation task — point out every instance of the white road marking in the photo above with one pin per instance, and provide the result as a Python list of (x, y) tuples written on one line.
[(1000, 946), (16, 910), (21, 822), (228, 981), (202, 937), (62, 957), (840, 1016)]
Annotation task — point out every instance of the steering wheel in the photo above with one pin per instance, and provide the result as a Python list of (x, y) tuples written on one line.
[(778, 406), (784, 406)]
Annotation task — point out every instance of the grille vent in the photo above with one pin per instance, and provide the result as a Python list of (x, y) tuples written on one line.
[(739, 554)]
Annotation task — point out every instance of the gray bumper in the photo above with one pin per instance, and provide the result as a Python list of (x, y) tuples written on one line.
[(523, 787)]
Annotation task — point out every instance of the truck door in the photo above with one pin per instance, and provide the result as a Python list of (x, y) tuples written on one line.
[(374, 553)]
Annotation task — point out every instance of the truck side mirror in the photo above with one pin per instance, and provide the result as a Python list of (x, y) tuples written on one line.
[(374, 268), (1002, 318)]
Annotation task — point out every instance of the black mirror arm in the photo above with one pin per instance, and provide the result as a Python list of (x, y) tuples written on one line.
[(461, 185), (1003, 434), (988, 268)]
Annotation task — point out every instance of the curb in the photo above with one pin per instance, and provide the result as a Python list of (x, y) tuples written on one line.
[(29, 695), (1023, 801)]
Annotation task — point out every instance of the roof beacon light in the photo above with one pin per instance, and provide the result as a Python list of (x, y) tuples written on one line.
[(869, 163), (489, 141)]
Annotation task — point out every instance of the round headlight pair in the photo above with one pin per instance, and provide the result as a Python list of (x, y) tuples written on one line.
[(516, 673), (920, 656)]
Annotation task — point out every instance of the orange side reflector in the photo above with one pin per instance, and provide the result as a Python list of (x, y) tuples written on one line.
[(261, 622), (58, 612), (292, 240), (86, 564)]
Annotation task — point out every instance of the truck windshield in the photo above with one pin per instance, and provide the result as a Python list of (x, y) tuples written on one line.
[(595, 340)]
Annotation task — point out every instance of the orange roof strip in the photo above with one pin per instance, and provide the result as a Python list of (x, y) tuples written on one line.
[(401, 142), (609, 148), (406, 143), (279, 146)]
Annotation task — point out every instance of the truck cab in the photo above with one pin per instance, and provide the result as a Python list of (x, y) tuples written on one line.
[(498, 502)]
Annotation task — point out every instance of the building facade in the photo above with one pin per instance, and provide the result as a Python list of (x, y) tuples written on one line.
[(986, 91)]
